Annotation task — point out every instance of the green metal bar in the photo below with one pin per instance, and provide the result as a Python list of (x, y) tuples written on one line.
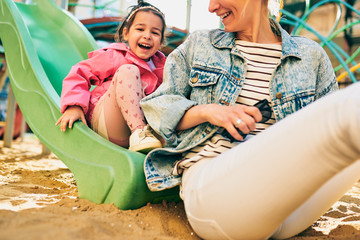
[(306, 14), (339, 58)]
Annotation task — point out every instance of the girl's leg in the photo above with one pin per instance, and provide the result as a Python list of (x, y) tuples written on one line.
[(123, 117), (125, 93), (119, 106), (248, 191), (116, 132)]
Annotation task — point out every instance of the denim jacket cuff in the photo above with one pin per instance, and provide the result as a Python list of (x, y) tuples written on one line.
[(172, 117)]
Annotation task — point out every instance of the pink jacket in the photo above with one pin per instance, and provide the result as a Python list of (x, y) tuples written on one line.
[(99, 69)]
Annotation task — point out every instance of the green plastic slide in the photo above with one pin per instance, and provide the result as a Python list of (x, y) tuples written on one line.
[(41, 43)]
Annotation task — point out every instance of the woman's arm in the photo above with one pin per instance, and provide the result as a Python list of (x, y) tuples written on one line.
[(165, 107), (222, 116), (169, 109), (326, 80)]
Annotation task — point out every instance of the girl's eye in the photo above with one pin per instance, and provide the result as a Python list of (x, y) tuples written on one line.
[(140, 29), (156, 33)]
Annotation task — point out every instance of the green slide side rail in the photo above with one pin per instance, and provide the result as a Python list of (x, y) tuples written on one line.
[(41, 43)]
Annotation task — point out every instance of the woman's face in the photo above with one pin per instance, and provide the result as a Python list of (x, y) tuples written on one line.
[(236, 15)]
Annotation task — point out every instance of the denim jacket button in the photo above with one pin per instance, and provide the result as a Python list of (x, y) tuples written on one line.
[(195, 79), (279, 95)]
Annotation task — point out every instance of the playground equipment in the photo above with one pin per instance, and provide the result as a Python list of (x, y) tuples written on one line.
[(299, 23), (41, 43)]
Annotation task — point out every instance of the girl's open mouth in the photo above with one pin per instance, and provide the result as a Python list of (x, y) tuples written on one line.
[(142, 45)]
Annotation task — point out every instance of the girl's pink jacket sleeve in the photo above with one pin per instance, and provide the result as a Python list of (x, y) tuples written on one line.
[(77, 84)]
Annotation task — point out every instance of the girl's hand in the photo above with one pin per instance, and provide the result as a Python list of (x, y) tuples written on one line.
[(232, 118), (71, 115)]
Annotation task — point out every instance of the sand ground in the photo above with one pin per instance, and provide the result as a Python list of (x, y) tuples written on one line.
[(39, 200)]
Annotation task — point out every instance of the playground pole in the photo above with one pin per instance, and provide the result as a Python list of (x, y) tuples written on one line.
[(188, 15), (121, 5)]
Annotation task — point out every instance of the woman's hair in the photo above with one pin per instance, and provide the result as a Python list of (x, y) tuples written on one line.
[(244, 8), (128, 21)]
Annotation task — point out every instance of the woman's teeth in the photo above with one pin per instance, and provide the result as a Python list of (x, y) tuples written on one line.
[(225, 15)]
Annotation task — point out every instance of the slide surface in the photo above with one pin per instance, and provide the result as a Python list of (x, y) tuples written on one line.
[(41, 43)]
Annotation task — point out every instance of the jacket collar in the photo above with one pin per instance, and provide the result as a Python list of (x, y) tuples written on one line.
[(221, 39)]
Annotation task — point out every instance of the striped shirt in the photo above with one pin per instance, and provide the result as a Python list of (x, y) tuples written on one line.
[(261, 60)]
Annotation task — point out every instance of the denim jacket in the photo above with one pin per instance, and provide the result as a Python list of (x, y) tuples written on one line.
[(208, 68)]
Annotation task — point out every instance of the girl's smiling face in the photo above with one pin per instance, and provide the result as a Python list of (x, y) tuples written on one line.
[(145, 34)]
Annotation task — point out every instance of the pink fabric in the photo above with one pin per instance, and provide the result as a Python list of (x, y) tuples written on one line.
[(128, 95), (99, 70), (118, 112)]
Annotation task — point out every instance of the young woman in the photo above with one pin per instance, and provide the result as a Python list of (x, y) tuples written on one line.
[(124, 73), (252, 172)]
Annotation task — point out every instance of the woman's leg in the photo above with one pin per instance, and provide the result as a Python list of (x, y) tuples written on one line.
[(120, 106), (248, 191), (319, 203)]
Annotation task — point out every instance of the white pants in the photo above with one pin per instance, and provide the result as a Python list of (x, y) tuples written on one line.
[(282, 180)]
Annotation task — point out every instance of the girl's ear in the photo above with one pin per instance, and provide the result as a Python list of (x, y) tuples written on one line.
[(125, 34)]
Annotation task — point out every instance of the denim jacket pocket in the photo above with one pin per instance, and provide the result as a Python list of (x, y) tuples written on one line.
[(294, 102), (202, 78), (203, 83)]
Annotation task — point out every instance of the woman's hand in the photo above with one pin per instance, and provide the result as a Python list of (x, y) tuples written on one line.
[(231, 117), (223, 116), (71, 115)]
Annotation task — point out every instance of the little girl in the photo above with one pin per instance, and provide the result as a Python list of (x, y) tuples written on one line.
[(124, 72)]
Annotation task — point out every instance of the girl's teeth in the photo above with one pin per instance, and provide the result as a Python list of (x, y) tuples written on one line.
[(145, 46)]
